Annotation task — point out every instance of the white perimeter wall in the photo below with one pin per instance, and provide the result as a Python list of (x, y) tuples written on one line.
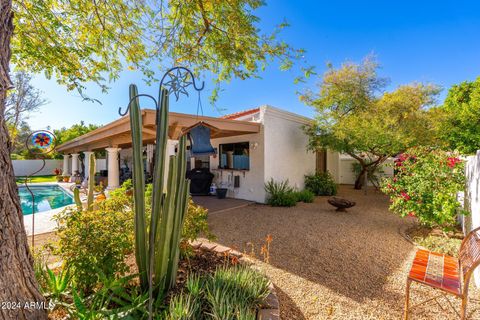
[(472, 199), (286, 155), (27, 167), (340, 166)]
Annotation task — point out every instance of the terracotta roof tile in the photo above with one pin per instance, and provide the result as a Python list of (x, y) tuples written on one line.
[(240, 114)]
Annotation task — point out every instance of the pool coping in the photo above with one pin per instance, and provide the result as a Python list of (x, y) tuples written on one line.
[(44, 222)]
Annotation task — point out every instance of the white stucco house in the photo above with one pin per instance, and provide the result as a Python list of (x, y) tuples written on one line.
[(252, 147)]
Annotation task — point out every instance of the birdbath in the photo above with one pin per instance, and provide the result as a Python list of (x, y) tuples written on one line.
[(340, 203)]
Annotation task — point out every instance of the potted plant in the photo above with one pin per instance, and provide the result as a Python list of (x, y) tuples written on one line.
[(221, 191), (58, 173), (66, 178)]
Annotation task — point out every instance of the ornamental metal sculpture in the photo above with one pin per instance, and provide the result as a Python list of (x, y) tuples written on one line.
[(38, 144), (157, 248)]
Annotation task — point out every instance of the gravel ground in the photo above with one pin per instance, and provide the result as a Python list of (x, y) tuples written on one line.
[(335, 265)]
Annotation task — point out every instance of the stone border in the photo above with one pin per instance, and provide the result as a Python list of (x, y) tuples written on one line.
[(271, 309)]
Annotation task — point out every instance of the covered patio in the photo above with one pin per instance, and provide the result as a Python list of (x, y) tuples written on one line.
[(116, 136)]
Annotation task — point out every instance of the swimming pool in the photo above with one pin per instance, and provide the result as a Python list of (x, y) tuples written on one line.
[(47, 197)]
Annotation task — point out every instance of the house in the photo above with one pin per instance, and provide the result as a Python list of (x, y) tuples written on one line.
[(252, 147)]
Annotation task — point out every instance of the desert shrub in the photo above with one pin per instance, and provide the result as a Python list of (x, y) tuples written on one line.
[(425, 185), (321, 184), (280, 194), (195, 221), (306, 196), (230, 293), (96, 241)]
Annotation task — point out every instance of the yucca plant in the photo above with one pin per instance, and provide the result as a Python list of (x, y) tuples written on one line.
[(157, 248)]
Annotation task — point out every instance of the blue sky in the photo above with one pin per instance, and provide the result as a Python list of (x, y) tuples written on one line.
[(428, 41)]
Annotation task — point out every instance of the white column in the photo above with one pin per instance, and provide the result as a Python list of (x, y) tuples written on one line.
[(113, 168), (74, 162), (87, 163), (65, 171)]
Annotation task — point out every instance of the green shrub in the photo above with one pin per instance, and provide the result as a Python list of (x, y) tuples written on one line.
[(321, 184), (287, 199), (99, 240), (230, 293), (96, 241), (306, 196), (425, 185), (280, 194)]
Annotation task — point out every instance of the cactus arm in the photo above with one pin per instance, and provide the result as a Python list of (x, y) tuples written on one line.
[(139, 189), (179, 210), (91, 180), (76, 197), (158, 197), (166, 226)]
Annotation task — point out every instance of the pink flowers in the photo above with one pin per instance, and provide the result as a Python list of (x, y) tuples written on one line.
[(405, 195), (452, 161)]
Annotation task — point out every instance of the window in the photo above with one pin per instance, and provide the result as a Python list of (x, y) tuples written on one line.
[(235, 156)]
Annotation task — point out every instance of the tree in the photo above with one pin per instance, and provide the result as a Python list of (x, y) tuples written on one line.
[(458, 119), (354, 116), (63, 135), (83, 41), (21, 101)]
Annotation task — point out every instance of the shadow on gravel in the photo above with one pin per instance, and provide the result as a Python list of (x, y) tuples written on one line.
[(352, 253)]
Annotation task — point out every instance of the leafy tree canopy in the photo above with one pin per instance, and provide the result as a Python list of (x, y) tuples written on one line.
[(66, 134), (80, 41), (458, 119), (355, 115)]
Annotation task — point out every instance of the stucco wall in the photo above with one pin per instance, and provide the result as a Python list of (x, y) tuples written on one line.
[(286, 155), (340, 166), (27, 167), (472, 199), (251, 181)]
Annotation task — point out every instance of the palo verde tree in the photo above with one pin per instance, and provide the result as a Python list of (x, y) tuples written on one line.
[(82, 41), (355, 116)]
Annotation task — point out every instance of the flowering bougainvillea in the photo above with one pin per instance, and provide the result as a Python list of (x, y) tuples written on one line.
[(425, 185)]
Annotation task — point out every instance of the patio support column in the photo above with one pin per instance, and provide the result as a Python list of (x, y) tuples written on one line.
[(74, 163), (65, 164), (113, 168), (87, 163)]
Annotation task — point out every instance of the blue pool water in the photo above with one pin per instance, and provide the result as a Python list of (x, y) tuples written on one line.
[(46, 198)]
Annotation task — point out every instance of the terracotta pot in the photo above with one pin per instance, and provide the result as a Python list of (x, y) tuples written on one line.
[(66, 179)]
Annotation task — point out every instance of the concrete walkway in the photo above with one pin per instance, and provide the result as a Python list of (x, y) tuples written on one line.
[(334, 265), (220, 205)]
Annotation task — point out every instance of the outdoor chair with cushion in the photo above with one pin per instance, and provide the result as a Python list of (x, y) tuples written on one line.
[(447, 274)]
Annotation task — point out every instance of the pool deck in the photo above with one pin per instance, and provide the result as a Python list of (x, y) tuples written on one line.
[(44, 220)]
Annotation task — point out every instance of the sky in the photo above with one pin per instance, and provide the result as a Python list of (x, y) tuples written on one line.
[(414, 41)]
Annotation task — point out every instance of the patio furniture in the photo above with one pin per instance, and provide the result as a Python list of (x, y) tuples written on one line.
[(447, 274), (340, 203)]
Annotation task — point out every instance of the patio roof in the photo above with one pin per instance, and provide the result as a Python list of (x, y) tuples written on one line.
[(117, 133)]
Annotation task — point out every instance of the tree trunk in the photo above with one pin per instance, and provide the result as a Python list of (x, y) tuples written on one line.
[(360, 179), (18, 286)]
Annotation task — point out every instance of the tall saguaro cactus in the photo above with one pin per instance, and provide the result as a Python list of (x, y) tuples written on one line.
[(157, 247)]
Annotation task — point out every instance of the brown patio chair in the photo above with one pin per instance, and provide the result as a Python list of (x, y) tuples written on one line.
[(447, 274)]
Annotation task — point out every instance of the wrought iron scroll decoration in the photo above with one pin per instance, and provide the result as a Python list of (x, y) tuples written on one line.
[(178, 82), (131, 100), (39, 143)]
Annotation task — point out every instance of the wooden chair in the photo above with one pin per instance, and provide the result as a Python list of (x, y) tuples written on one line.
[(447, 274)]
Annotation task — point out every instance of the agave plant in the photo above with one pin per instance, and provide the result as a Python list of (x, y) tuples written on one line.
[(157, 248)]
